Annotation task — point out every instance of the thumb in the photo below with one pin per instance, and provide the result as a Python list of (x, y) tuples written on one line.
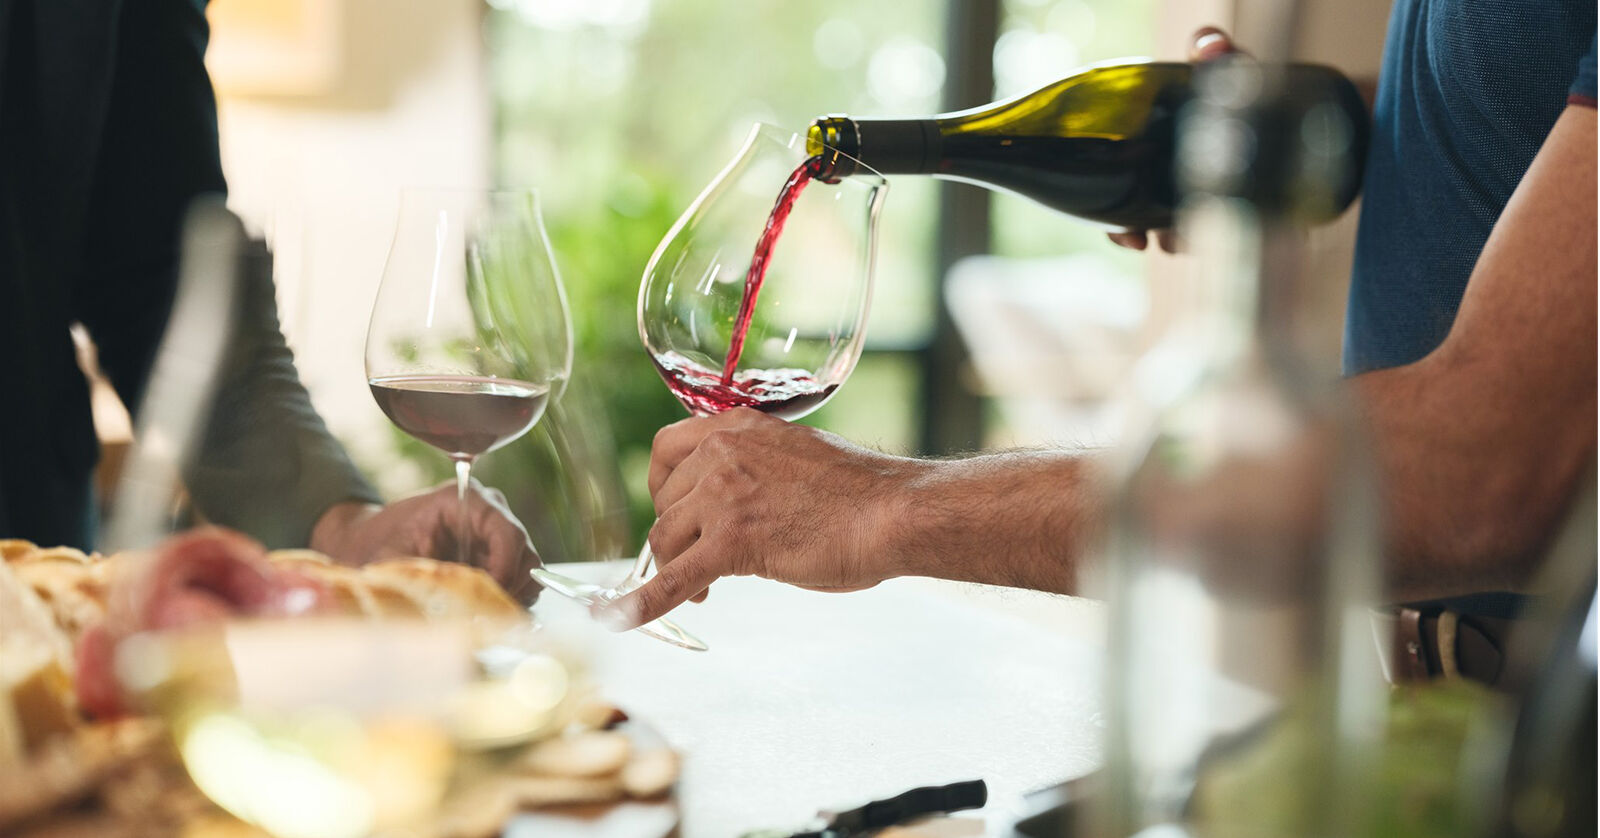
[(686, 576)]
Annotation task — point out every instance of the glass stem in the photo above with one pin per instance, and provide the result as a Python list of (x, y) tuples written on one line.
[(641, 566), (463, 517)]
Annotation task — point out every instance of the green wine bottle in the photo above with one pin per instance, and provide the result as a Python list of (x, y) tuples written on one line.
[(1102, 144)]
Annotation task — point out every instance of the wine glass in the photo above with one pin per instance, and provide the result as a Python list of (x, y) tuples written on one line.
[(470, 338), (757, 297), (344, 727)]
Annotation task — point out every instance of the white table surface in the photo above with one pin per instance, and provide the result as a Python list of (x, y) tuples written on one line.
[(810, 700)]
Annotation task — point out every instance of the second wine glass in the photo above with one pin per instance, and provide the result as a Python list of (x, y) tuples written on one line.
[(757, 297), (470, 338)]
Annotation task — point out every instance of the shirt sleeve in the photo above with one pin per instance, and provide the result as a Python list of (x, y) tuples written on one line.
[(267, 465), (1582, 91)]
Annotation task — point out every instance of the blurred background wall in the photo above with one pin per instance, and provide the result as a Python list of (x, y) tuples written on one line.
[(619, 111)]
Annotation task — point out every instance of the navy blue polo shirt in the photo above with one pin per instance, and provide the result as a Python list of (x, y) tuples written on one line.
[(1468, 92)]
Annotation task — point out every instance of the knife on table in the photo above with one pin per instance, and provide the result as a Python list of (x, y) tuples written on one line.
[(890, 811)]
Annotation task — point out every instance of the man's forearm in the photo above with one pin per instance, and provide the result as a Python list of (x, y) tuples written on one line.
[(1022, 519), (1475, 485)]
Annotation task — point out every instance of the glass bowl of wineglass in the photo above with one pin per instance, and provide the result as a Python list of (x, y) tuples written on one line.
[(333, 727), (470, 338), (757, 297)]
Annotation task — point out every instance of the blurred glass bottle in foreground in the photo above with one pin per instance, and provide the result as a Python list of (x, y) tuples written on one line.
[(1530, 770), (1244, 696), (1099, 144)]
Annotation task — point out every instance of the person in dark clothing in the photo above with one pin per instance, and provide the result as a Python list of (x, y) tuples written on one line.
[(108, 132)]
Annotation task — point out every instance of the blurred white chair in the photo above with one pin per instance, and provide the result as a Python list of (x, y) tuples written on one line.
[(1052, 340)]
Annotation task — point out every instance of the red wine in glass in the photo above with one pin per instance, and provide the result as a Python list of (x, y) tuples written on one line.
[(760, 258), (785, 393), (460, 415)]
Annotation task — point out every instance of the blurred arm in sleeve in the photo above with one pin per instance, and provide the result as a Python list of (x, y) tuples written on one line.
[(267, 465)]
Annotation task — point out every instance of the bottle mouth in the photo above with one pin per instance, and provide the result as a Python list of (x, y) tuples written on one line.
[(833, 140)]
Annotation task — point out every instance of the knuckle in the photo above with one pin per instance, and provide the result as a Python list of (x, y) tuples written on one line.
[(669, 520), (720, 442), (721, 479), (666, 592), (659, 545), (656, 479), (650, 599), (660, 440), (668, 532)]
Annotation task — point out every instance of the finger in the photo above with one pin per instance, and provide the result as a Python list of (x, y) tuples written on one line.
[(429, 526), (480, 494), (837, 589), (1133, 239), (507, 553), (1210, 42), (700, 597), (694, 571), (674, 532), (690, 472), (672, 444), (1168, 239), (500, 544)]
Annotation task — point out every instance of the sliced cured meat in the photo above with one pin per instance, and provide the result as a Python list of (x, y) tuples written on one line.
[(200, 577)]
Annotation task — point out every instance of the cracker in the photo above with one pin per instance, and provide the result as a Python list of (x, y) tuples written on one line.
[(540, 792), (650, 773), (589, 754), (479, 812)]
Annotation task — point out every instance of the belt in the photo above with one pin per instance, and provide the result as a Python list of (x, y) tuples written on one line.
[(1444, 639)]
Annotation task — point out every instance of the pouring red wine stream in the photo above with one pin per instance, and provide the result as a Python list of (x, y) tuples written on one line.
[(792, 188)]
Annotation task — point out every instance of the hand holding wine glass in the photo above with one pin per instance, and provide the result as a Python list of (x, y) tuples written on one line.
[(469, 341), (426, 524), (744, 493), (756, 298)]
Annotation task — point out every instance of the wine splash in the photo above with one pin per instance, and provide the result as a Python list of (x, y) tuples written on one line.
[(809, 170)]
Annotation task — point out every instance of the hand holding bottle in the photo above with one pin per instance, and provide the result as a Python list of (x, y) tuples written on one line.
[(1101, 144), (1208, 43)]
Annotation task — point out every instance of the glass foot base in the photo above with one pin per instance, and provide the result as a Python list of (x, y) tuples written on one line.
[(591, 594)]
